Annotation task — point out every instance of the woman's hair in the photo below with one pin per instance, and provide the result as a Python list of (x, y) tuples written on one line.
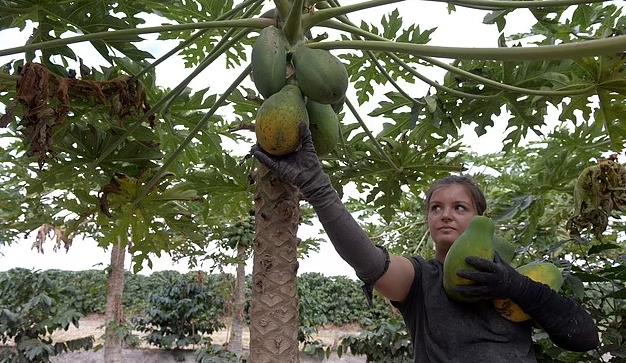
[(480, 203)]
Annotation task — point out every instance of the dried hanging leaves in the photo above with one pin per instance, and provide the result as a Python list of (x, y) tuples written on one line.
[(47, 100), (600, 191), (47, 230)]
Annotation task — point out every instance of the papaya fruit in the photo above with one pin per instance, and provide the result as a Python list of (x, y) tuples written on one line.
[(269, 61), (278, 121), (338, 106), (476, 240), (543, 272), (324, 126), (504, 248), (270, 14), (321, 76)]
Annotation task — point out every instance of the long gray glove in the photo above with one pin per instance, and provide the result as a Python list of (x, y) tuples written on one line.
[(566, 322), (303, 170)]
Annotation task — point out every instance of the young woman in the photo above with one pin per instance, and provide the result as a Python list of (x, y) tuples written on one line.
[(441, 329)]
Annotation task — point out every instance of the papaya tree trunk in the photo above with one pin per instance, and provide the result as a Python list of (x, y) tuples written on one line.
[(236, 327), (114, 312), (274, 310)]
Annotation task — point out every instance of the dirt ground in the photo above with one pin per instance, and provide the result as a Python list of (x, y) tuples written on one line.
[(94, 325)]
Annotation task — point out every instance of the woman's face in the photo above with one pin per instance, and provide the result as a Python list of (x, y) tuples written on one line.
[(450, 211)]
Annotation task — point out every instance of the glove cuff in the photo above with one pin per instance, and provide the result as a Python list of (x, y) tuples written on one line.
[(368, 282)]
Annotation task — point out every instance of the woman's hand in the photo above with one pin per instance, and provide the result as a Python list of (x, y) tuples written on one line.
[(492, 280), (301, 168), (566, 322)]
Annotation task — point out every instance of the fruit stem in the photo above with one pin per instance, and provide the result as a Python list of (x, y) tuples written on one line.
[(293, 25), (283, 8)]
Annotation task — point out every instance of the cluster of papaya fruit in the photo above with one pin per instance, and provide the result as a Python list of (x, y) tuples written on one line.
[(298, 84), (241, 233), (479, 240)]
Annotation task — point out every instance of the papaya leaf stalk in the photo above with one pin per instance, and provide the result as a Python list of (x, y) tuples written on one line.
[(515, 4), (165, 101), (254, 23), (389, 78), (439, 87), (410, 69), (371, 136), (579, 90), (192, 133), (197, 35), (606, 46), (335, 12)]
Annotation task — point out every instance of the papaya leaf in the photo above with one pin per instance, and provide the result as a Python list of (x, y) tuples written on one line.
[(602, 247), (619, 294)]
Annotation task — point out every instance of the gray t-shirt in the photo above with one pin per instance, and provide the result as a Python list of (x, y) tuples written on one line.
[(443, 330)]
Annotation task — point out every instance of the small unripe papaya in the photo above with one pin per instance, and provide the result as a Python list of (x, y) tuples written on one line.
[(278, 121), (324, 126), (269, 61), (321, 76), (476, 240)]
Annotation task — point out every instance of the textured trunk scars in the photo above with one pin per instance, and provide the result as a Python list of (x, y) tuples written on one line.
[(236, 329), (114, 309), (274, 312)]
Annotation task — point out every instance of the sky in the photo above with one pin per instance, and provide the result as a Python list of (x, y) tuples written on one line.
[(463, 28)]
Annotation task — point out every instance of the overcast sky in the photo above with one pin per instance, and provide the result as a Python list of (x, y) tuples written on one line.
[(464, 28)]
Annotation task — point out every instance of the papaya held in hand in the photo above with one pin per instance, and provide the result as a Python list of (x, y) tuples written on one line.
[(542, 272), (476, 241), (279, 119)]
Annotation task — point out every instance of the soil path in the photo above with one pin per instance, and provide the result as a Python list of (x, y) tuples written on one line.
[(94, 325)]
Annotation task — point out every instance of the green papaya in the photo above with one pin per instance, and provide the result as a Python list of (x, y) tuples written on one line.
[(278, 121), (338, 106), (321, 76), (270, 14), (504, 248), (324, 126), (544, 272), (476, 240), (269, 61)]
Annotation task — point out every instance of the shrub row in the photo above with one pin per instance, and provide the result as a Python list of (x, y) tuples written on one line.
[(324, 300)]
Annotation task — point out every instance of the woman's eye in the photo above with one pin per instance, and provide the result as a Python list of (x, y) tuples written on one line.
[(461, 208)]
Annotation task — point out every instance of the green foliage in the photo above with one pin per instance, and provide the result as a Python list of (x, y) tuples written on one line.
[(364, 71), (31, 309), (183, 309), (386, 340), (335, 300), (212, 355)]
